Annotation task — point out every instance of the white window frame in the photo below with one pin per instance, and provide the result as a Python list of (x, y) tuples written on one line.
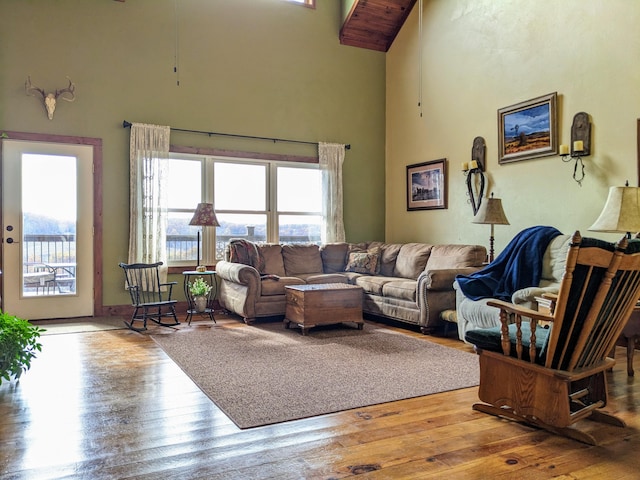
[(271, 211)]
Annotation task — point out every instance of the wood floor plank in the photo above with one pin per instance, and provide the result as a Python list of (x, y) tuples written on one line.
[(112, 404)]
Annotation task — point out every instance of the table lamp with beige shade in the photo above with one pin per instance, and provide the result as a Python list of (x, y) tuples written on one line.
[(621, 212), (491, 212), (204, 216)]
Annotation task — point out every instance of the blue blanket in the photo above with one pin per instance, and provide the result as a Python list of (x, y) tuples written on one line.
[(518, 266)]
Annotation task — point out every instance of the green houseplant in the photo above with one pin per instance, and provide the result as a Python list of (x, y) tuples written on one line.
[(199, 290), (18, 346)]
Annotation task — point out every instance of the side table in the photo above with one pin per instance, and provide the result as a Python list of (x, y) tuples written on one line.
[(629, 336), (210, 277)]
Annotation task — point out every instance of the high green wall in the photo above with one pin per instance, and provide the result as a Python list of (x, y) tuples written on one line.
[(346, 8), (253, 67), (478, 56)]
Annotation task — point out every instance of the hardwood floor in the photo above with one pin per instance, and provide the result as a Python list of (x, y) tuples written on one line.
[(111, 405)]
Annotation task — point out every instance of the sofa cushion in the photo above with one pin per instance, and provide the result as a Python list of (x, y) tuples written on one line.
[(388, 256), (364, 262), (456, 256), (412, 259), (399, 288), (334, 256), (301, 259), (373, 284), (276, 287), (316, 278), (491, 339), (352, 276), (272, 255)]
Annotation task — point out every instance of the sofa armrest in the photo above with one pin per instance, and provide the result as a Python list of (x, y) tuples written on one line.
[(238, 273), (526, 296), (442, 279)]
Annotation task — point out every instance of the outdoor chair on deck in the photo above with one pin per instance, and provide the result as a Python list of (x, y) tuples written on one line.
[(552, 376), (150, 298)]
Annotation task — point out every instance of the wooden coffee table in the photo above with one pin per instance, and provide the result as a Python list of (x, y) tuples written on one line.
[(323, 304)]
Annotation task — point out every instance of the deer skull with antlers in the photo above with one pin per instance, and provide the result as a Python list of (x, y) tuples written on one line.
[(51, 98)]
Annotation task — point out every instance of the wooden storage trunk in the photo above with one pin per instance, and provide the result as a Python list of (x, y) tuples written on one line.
[(323, 304)]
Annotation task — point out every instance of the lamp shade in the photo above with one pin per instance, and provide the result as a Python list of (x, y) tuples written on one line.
[(621, 212), (491, 212), (205, 216)]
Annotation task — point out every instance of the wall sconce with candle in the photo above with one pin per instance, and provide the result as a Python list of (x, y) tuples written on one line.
[(580, 145), (473, 171)]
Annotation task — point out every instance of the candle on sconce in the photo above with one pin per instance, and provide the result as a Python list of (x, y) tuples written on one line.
[(465, 166), (578, 146), (564, 149), (473, 164)]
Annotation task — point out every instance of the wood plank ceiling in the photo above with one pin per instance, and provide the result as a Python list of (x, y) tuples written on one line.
[(374, 24)]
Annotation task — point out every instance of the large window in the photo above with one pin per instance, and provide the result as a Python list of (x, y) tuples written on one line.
[(261, 201)]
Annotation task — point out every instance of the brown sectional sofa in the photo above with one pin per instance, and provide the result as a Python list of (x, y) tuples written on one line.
[(411, 282)]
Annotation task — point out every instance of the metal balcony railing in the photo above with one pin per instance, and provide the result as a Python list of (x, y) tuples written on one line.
[(49, 264), (39, 250), (184, 247)]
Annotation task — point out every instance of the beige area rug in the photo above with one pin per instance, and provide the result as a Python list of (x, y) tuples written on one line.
[(266, 374), (80, 325)]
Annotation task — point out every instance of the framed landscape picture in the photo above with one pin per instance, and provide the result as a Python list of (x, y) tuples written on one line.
[(427, 185), (528, 129)]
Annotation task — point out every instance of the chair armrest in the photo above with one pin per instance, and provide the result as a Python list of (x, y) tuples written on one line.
[(237, 273), (527, 296), (520, 310), (442, 279)]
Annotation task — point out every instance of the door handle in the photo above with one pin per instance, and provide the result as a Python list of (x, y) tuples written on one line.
[(9, 240)]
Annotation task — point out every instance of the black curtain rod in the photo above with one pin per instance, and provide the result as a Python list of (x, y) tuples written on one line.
[(126, 124)]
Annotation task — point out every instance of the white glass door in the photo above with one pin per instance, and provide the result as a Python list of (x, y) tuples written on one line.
[(47, 229)]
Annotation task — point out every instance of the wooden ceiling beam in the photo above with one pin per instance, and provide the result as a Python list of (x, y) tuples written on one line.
[(374, 24)]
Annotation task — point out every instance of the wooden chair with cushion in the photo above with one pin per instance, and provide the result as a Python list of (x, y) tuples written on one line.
[(150, 298), (549, 370)]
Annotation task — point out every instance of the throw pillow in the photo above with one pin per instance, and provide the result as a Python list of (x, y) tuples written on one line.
[(364, 262)]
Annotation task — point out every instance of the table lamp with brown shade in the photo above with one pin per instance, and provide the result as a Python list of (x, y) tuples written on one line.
[(491, 212), (204, 216), (621, 212)]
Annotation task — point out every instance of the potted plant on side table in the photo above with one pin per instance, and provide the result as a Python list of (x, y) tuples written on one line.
[(18, 346), (199, 290)]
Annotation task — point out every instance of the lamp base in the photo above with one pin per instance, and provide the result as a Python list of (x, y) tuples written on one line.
[(491, 247), (201, 268)]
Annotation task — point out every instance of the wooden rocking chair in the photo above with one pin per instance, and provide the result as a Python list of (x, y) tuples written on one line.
[(150, 298), (552, 376)]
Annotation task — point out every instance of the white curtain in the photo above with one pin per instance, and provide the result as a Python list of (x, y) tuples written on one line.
[(149, 148), (331, 158)]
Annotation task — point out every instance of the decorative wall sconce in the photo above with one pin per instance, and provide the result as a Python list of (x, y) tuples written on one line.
[(580, 145), (50, 99), (473, 171)]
